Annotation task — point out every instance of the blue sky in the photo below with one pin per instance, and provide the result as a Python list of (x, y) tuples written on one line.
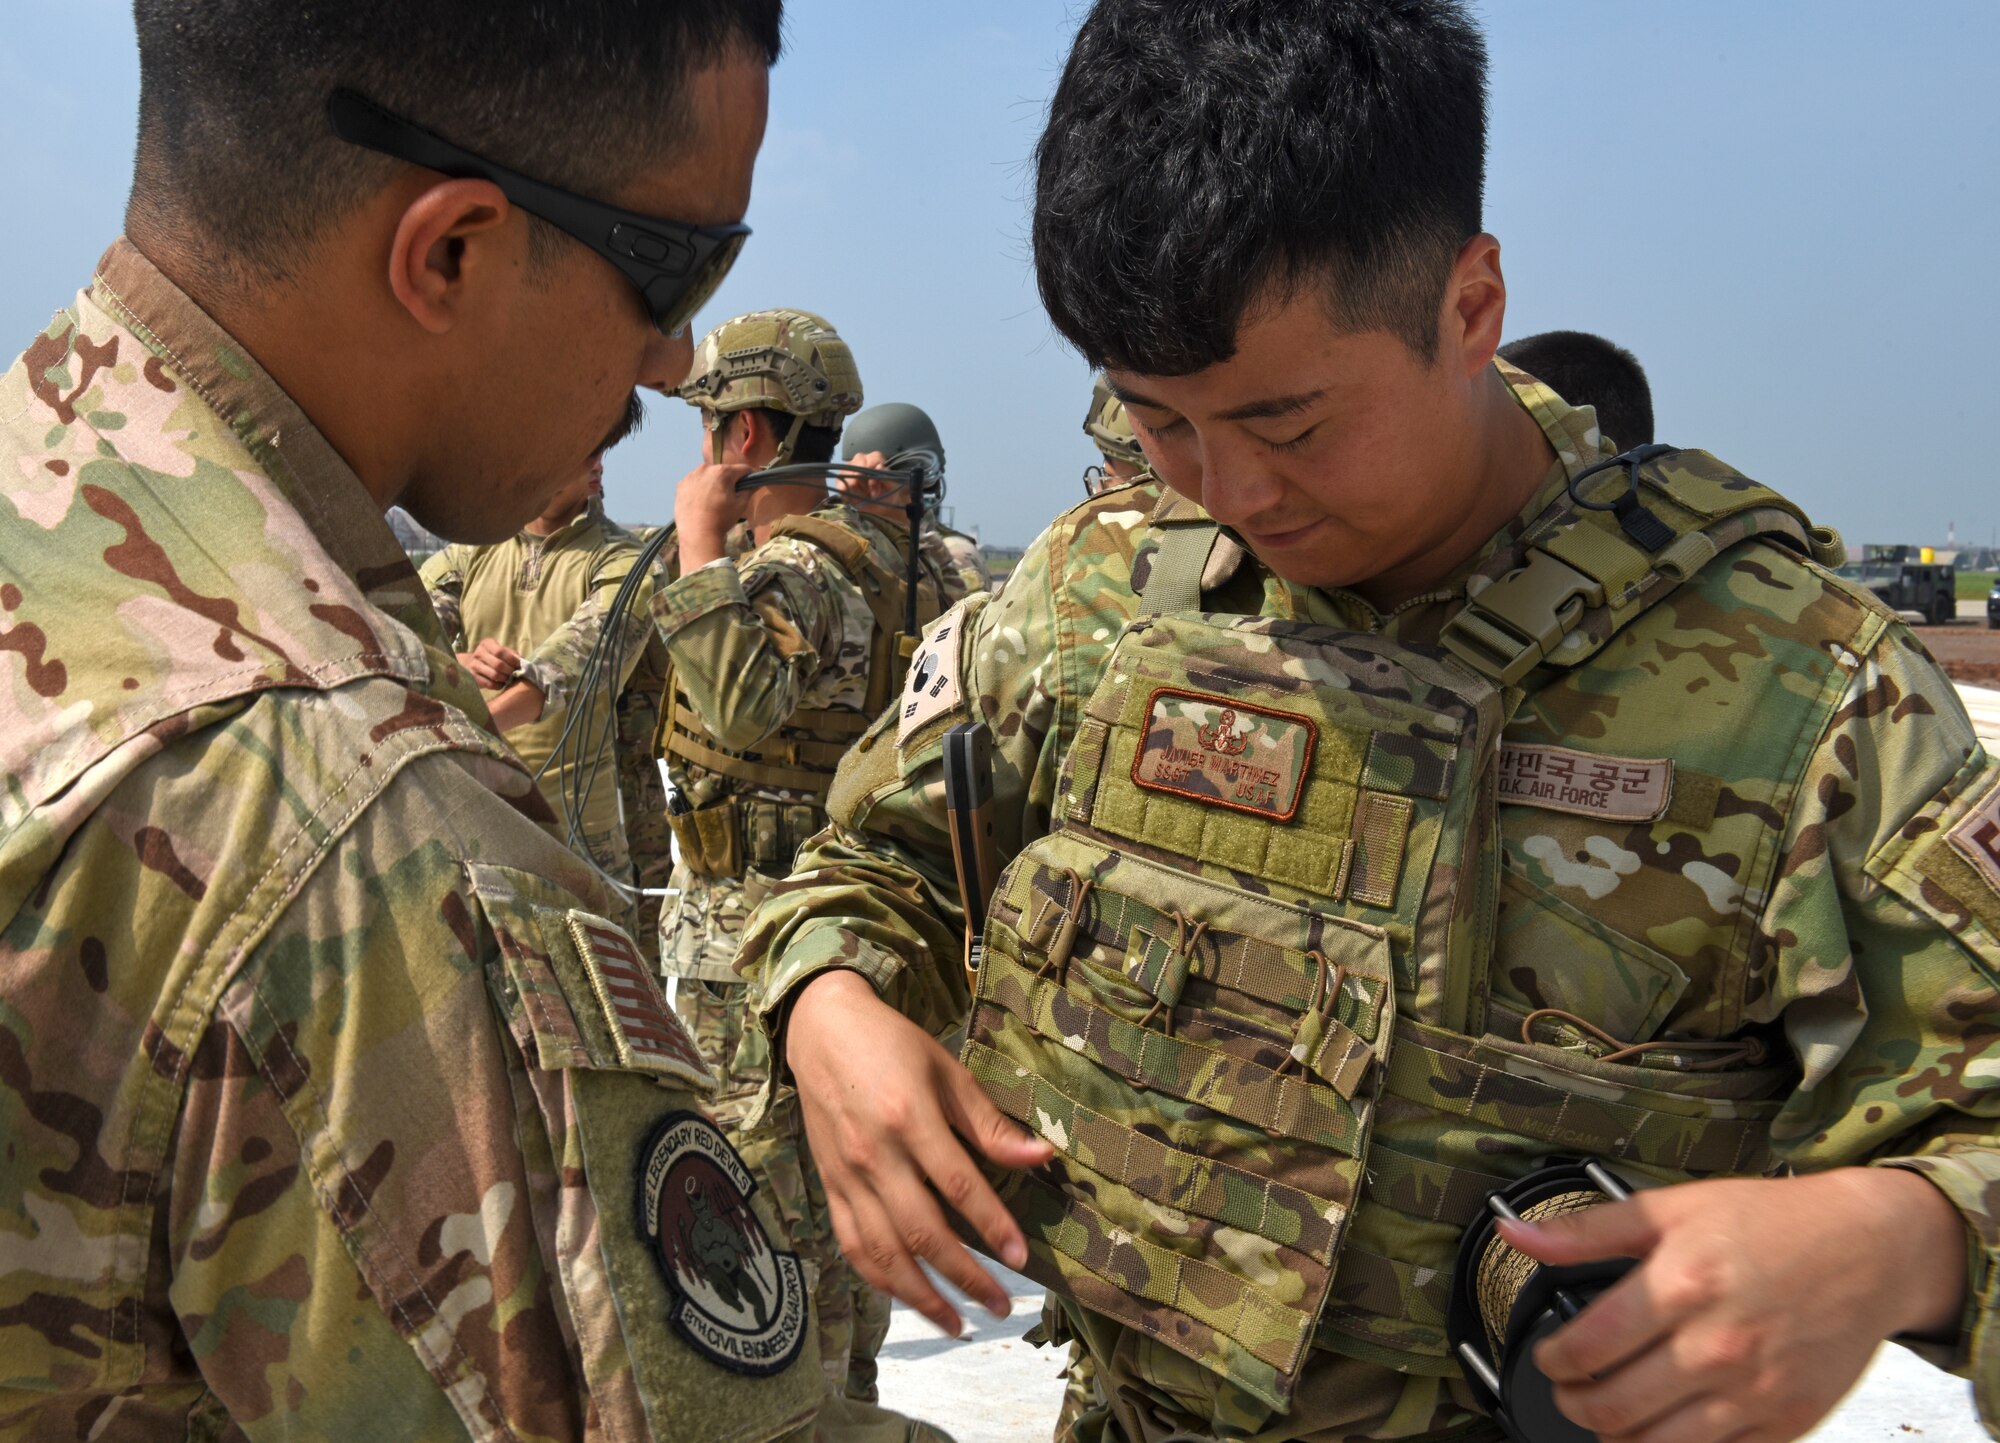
[(1784, 208)]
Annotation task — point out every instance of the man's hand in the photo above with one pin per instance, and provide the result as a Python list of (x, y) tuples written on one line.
[(1756, 1303), (516, 705), (868, 492), (706, 505), (491, 664), (886, 1109)]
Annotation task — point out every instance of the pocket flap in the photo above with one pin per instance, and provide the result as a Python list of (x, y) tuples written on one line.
[(576, 990)]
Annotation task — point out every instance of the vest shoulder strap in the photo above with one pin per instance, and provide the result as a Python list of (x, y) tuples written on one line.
[(1603, 555)]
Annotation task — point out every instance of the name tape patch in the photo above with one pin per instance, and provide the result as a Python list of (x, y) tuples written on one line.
[(1977, 838), (1558, 779), (644, 1030), (932, 687), (1225, 753), (737, 1300)]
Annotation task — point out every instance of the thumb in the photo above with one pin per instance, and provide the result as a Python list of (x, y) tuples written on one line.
[(1610, 1230), (997, 1136)]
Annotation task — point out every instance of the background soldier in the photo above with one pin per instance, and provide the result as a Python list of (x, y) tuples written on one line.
[(896, 428), (523, 614), (1588, 370), (1107, 424), (1456, 808), (780, 661), (317, 1126)]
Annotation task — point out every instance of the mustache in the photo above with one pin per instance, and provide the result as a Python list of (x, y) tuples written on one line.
[(625, 425)]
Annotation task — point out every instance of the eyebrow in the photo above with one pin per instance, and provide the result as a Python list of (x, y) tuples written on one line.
[(1254, 410)]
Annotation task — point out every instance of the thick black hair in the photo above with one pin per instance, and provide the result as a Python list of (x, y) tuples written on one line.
[(816, 443), (1588, 370), (1199, 152), (236, 157)]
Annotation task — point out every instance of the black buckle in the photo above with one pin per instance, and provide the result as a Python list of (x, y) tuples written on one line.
[(1634, 519)]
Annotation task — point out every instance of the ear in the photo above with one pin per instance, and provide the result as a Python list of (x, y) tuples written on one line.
[(1475, 306), (448, 235)]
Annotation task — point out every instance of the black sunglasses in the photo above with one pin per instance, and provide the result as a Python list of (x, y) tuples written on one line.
[(676, 266)]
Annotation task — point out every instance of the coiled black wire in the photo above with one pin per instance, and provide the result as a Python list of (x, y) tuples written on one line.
[(589, 733)]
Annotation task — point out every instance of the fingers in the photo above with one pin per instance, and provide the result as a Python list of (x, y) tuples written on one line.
[(1630, 1316), (1615, 1230), (873, 1245), (1631, 1399)]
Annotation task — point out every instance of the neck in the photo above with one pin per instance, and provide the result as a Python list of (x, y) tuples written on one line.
[(1505, 462), (771, 504), (317, 344), (554, 521)]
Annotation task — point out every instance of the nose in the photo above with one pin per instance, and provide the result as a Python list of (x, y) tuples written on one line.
[(667, 360), (1236, 485)]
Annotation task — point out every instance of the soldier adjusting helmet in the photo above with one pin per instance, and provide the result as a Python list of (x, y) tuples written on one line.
[(789, 361)]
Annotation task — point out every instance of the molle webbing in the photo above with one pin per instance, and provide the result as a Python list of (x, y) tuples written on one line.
[(789, 762), (1585, 577)]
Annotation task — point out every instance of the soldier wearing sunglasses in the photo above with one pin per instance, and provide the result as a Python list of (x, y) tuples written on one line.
[(336, 1105)]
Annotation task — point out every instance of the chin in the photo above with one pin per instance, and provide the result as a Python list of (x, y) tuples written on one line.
[(474, 514)]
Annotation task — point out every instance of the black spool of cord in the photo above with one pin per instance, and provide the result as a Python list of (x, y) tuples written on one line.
[(1504, 1302)]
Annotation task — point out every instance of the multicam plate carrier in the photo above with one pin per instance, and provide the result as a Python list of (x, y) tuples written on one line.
[(1235, 984)]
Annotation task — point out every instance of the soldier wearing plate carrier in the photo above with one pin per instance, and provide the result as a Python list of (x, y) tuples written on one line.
[(779, 660), (1398, 793)]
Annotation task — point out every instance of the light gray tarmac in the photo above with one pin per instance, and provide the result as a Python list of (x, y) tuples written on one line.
[(990, 1387)]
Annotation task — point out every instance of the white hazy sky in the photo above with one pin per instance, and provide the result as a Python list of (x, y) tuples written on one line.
[(1783, 208)]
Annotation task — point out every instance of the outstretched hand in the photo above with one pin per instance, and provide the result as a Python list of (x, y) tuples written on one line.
[(889, 1114), (1756, 1303)]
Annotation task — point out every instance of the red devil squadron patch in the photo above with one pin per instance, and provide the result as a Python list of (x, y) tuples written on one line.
[(736, 1300)]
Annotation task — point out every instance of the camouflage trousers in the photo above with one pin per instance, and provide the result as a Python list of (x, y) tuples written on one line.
[(853, 1318), (1123, 1387)]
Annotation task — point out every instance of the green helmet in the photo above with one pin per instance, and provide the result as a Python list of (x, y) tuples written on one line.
[(782, 360), (1109, 426), (893, 428)]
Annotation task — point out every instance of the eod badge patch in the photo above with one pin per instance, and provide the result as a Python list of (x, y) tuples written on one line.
[(735, 1299)]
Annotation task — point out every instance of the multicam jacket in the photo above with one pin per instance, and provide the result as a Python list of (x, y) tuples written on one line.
[(312, 1114), (1819, 892), (782, 630), (547, 597)]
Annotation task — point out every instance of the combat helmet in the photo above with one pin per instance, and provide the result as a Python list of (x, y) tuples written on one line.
[(1109, 426), (784, 360), (894, 428)]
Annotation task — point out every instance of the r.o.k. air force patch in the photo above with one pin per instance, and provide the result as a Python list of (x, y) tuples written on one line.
[(736, 1300)]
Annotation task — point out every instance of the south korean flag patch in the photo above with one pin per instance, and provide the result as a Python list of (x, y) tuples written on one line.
[(734, 1298), (933, 688)]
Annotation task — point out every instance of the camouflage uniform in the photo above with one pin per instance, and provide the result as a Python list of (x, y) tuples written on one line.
[(779, 660), (961, 554), (546, 597), (1739, 822), (310, 1108)]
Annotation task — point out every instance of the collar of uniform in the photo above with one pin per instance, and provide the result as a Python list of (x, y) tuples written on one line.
[(320, 485), (591, 515), (1572, 434)]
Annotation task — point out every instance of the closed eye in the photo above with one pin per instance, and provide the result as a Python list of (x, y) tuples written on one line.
[(1296, 443), (1176, 427)]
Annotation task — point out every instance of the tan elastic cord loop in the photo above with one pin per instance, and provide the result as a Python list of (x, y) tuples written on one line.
[(1187, 936), (1059, 950), (1747, 1052), (1326, 986)]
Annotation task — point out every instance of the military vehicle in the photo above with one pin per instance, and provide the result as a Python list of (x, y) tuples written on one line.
[(1928, 588)]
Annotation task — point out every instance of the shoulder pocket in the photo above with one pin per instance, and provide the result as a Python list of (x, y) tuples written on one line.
[(574, 988)]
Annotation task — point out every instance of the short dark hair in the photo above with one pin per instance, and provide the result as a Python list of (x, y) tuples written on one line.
[(815, 443), (236, 156), (1200, 151), (1588, 370)]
